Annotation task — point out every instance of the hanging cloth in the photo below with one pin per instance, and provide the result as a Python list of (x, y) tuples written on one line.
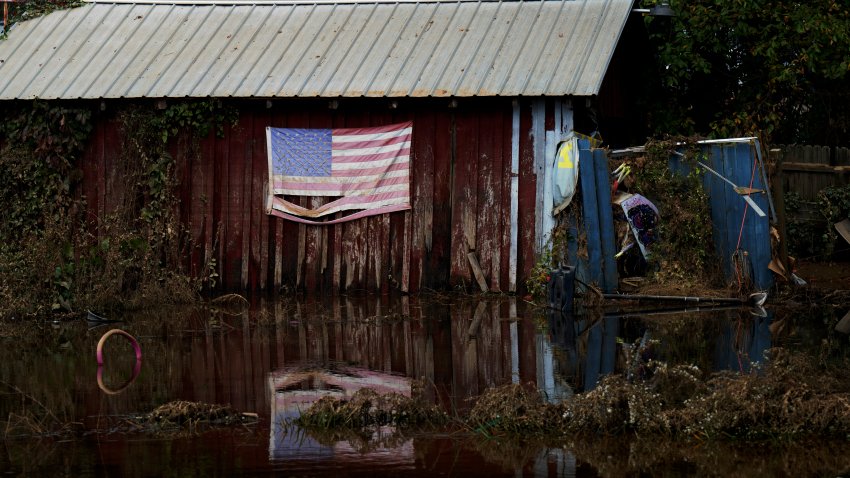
[(565, 177)]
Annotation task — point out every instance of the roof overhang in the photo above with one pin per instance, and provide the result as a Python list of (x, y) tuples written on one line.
[(269, 49)]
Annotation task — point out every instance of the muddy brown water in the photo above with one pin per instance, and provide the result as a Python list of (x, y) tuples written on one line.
[(277, 357)]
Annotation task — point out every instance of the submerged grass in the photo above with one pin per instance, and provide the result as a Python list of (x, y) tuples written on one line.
[(366, 408), (792, 397)]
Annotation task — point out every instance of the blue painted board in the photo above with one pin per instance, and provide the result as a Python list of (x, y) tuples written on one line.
[(609, 344), (606, 221), (593, 357), (590, 211), (735, 161), (732, 217)]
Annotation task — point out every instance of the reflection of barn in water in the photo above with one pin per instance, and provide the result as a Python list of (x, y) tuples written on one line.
[(294, 389), (457, 350)]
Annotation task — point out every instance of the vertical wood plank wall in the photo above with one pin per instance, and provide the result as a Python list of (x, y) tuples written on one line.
[(462, 160), (734, 224)]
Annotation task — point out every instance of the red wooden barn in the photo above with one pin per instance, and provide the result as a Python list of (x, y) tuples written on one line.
[(491, 87)]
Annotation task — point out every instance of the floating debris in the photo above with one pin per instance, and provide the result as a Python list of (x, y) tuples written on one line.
[(183, 413)]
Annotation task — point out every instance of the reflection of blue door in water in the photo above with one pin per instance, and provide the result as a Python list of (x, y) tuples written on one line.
[(742, 343), (601, 351), (564, 360)]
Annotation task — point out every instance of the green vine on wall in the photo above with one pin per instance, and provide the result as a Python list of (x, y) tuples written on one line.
[(57, 255), (41, 211), (199, 116), (41, 142)]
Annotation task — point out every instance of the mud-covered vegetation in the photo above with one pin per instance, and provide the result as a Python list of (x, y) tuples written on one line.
[(57, 255), (366, 408), (792, 397), (181, 413)]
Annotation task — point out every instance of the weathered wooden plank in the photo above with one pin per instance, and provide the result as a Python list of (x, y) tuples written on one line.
[(197, 202), (232, 260), (422, 195), (383, 267), (513, 191), (487, 207), (438, 238), (220, 197), (258, 181), (729, 223), (476, 270), (538, 144), (756, 241), (526, 203), (464, 195), (814, 167), (247, 203), (208, 180), (405, 264), (606, 221), (590, 212)]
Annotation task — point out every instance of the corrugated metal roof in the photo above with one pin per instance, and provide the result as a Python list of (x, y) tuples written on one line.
[(319, 49)]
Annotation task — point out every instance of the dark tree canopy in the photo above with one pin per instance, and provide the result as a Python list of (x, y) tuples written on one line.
[(740, 67)]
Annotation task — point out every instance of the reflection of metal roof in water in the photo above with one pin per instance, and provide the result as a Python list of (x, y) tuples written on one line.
[(313, 49)]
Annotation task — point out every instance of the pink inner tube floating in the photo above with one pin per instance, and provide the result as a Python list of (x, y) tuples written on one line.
[(133, 342), (110, 391)]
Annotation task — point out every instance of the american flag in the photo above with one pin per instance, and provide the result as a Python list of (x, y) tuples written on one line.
[(367, 169)]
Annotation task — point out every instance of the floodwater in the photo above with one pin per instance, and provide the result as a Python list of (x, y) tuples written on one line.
[(276, 358)]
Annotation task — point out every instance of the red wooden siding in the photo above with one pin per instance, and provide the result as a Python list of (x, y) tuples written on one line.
[(460, 195)]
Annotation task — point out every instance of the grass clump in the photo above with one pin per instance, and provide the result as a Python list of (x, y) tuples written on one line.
[(366, 408), (185, 413), (792, 397)]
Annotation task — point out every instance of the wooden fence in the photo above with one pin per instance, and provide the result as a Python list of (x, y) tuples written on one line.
[(807, 170)]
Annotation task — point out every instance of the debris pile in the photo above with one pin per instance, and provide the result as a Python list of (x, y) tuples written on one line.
[(791, 397), (184, 413)]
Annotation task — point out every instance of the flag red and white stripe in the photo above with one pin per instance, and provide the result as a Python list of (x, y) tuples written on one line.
[(368, 169)]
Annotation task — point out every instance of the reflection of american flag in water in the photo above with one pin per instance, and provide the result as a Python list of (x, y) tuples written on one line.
[(367, 168)]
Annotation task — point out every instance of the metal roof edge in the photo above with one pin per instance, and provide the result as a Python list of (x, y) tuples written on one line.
[(249, 3), (616, 42)]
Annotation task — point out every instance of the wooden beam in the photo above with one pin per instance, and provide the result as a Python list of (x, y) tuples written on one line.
[(476, 269), (815, 167)]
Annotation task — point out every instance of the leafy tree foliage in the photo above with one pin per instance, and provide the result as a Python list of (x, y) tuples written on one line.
[(780, 68)]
